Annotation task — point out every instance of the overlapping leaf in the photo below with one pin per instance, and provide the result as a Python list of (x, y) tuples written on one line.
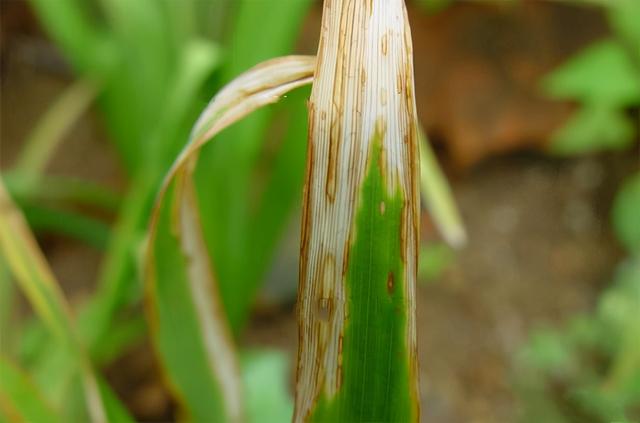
[(188, 323)]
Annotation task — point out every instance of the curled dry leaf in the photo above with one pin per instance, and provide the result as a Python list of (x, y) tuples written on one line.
[(188, 325)]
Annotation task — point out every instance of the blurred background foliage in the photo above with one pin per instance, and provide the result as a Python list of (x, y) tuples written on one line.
[(151, 66)]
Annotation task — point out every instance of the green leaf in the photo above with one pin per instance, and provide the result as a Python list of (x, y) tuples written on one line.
[(626, 214), (602, 74), (87, 229), (624, 15), (7, 301), (593, 128), (69, 24), (264, 376), (20, 399), (438, 197)]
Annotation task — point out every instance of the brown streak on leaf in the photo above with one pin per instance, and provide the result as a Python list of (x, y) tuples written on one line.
[(384, 44), (334, 140), (404, 215)]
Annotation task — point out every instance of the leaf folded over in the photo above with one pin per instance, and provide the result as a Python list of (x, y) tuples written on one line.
[(188, 324)]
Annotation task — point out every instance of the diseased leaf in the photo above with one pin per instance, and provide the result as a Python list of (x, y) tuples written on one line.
[(189, 327), (359, 244)]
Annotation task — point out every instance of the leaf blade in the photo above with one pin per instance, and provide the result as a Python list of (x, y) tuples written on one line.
[(178, 273), (360, 222)]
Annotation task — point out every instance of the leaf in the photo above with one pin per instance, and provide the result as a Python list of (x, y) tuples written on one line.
[(92, 231), (626, 214), (593, 128), (7, 301), (20, 399), (185, 314), (87, 47), (359, 244), (438, 198), (265, 384), (624, 16), (39, 285), (602, 74)]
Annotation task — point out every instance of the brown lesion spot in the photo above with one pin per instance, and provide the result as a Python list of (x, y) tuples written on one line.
[(384, 44), (390, 282), (324, 309)]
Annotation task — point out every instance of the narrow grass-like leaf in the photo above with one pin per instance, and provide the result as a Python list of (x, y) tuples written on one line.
[(7, 297), (438, 197), (39, 285), (92, 231), (357, 352), (187, 320), (52, 127), (19, 398)]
